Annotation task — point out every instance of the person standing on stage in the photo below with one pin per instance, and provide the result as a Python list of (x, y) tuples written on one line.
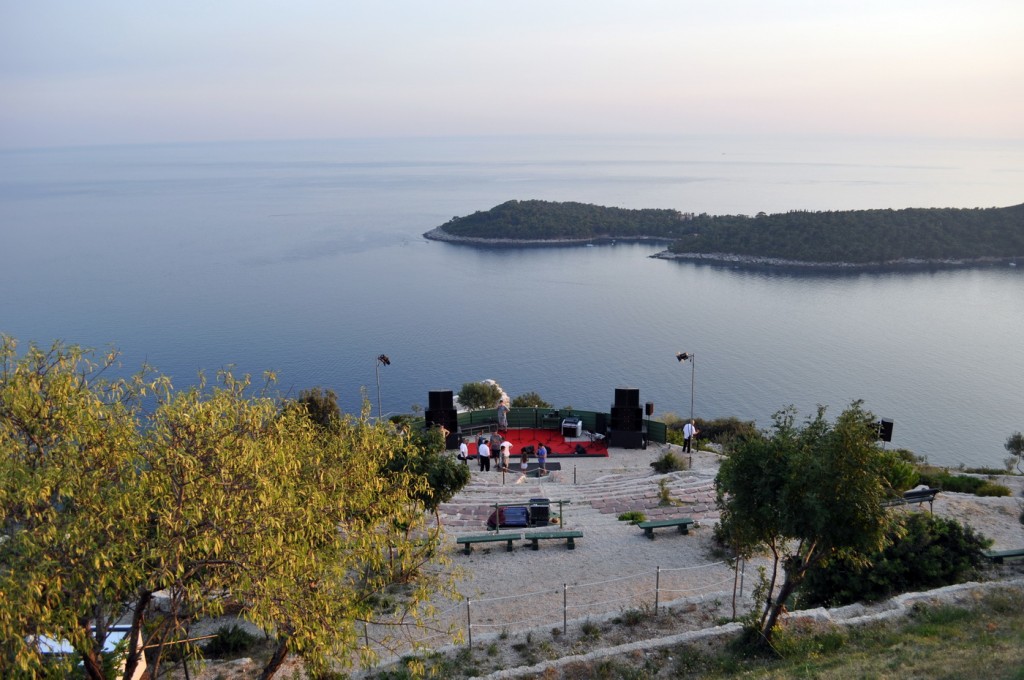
[(502, 416), (689, 432), (542, 459)]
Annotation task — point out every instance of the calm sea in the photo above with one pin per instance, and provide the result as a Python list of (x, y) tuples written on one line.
[(306, 258)]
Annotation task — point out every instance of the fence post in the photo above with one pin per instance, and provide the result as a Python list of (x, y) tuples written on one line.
[(565, 609), (657, 586), (469, 622)]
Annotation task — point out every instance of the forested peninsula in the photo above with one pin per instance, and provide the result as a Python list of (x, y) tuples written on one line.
[(841, 238)]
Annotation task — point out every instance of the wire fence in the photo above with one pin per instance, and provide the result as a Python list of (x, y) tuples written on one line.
[(559, 606)]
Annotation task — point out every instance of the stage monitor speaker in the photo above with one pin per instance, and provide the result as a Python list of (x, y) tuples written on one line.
[(649, 408), (440, 399), (627, 418), (627, 396), (885, 430)]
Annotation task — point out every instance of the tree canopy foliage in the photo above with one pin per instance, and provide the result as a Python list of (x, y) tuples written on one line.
[(861, 237), (529, 400), (207, 496), (805, 493), (922, 552), (529, 220), (478, 395)]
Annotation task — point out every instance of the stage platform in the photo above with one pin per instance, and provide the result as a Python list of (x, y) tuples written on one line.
[(557, 445)]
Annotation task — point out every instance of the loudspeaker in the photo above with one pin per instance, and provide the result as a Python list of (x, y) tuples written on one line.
[(600, 423), (885, 430), (627, 418), (627, 396), (440, 399), (649, 408), (447, 418)]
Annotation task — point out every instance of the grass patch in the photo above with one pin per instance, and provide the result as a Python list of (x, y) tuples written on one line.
[(633, 517)]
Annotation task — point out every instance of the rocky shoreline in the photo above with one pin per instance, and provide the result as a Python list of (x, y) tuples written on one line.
[(727, 259)]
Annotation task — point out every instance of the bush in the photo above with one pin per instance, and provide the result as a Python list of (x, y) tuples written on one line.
[(924, 552), (633, 516), (529, 400), (669, 462), (230, 640), (940, 479)]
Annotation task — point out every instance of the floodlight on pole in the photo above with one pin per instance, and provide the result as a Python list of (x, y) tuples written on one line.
[(382, 359), (688, 356)]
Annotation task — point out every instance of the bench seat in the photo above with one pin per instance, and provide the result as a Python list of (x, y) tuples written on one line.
[(569, 536), (684, 524), (468, 541), (1000, 556)]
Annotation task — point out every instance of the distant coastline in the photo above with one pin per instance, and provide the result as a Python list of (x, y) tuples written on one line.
[(725, 259), (905, 263)]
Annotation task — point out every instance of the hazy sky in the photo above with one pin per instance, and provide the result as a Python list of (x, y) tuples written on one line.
[(110, 71)]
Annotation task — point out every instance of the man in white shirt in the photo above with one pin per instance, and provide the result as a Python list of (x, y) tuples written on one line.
[(689, 432), (483, 452), (506, 453), (464, 451)]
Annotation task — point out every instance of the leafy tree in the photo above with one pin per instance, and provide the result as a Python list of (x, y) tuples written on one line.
[(529, 400), (74, 523), (805, 494), (1015, 445), (424, 457), (321, 406), (478, 395), (212, 495)]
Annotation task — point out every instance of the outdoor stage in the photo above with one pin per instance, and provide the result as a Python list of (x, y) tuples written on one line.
[(558, 445)]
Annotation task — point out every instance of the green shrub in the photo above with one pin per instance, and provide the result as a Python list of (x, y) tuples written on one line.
[(633, 516), (230, 640), (669, 462), (924, 552), (940, 479)]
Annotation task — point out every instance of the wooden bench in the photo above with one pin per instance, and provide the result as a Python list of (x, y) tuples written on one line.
[(1000, 556), (569, 536), (684, 524), (468, 541), (914, 496)]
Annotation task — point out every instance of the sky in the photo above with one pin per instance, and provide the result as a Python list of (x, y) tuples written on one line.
[(124, 71)]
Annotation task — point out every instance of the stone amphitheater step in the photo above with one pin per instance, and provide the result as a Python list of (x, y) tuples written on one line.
[(692, 496)]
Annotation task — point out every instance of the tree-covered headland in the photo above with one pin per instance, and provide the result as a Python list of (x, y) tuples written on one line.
[(850, 237)]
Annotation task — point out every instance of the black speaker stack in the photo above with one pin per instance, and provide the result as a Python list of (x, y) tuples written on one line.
[(441, 411), (884, 429), (626, 422), (626, 412)]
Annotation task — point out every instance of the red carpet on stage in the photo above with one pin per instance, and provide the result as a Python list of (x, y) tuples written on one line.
[(556, 444)]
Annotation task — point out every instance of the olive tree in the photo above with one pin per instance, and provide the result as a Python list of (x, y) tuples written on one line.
[(804, 494), (478, 395)]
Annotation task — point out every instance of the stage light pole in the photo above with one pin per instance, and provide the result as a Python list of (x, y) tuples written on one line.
[(382, 359), (688, 356)]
